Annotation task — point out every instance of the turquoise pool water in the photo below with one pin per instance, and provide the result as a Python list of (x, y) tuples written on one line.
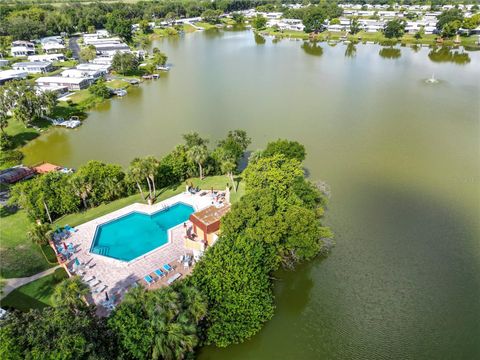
[(135, 234)]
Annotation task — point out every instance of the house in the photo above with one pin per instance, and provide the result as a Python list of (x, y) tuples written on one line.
[(53, 47), (47, 57), (15, 174), (72, 84), (111, 48), (4, 62), (22, 48), (37, 67), (8, 75), (103, 60), (206, 222), (91, 66), (81, 73)]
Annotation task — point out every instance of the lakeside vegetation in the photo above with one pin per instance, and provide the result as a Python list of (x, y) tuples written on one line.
[(276, 223)]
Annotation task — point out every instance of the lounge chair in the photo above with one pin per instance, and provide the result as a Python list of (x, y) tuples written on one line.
[(149, 279), (167, 267), (88, 279), (70, 229), (99, 289), (173, 278), (159, 273), (94, 283)]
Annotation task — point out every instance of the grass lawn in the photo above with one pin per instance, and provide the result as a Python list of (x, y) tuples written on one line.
[(35, 295), (19, 256), (205, 25), (217, 182), (22, 258), (21, 134), (117, 84)]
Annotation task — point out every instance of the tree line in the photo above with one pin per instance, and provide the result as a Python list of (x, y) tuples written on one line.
[(226, 300), (50, 196)]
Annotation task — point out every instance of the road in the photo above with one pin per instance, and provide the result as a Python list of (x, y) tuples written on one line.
[(73, 45)]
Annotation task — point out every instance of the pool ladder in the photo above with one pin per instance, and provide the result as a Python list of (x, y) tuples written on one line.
[(101, 250)]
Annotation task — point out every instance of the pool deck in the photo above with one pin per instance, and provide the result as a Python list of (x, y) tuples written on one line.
[(117, 276)]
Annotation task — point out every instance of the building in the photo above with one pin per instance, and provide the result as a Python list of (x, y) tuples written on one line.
[(72, 84), (37, 67), (102, 60), (8, 75), (111, 48), (15, 174), (4, 62), (22, 48), (47, 57), (206, 223), (91, 66), (81, 73), (53, 47)]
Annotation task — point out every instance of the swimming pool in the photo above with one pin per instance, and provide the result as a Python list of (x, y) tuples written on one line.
[(136, 234)]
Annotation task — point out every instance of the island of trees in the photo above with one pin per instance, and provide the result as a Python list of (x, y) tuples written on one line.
[(227, 299)]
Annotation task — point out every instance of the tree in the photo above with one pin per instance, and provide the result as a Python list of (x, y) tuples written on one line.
[(471, 22), (119, 24), (277, 173), (198, 154), (394, 29), (235, 144), (70, 293), (450, 29), (88, 53), (259, 22), (227, 165), (314, 19), (239, 18), (100, 89), (194, 139), (158, 58), (125, 63), (38, 233), (145, 27), (448, 16), (355, 26), (420, 33), (211, 16), (159, 324), (291, 149)]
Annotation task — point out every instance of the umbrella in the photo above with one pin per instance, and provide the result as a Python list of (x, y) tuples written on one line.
[(65, 246), (106, 296)]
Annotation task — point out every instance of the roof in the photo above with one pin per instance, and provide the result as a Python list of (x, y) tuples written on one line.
[(209, 218), (14, 174), (33, 63), (45, 168), (11, 74), (60, 79)]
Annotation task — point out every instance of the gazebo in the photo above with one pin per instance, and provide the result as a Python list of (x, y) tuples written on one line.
[(206, 222)]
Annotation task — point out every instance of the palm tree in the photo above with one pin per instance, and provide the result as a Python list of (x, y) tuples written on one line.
[(70, 292), (198, 154), (174, 340), (194, 302), (38, 233), (136, 174), (82, 187), (151, 167), (113, 188)]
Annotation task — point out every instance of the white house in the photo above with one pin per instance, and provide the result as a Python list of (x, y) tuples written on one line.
[(86, 74), (53, 47), (22, 48), (8, 75), (90, 66), (52, 82), (37, 67), (47, 57)]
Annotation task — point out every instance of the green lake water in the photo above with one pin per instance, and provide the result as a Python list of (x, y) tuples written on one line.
[(401, 157)]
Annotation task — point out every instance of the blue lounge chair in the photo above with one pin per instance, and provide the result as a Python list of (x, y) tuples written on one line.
[(149, 280), (159, 273), (167, 267), (70, 229)]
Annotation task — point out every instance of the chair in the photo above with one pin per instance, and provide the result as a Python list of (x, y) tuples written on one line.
[(149, 279), (159, 273), (167, 267)]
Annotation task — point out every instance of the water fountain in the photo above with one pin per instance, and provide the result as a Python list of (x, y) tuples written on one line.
[(432, 80)]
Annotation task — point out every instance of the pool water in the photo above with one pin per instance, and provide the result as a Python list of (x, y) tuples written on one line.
[(136, 234)]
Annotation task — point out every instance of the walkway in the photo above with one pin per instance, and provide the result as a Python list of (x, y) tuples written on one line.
[(13, 283)]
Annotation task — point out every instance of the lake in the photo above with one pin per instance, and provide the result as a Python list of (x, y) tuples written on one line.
[(401, 158)]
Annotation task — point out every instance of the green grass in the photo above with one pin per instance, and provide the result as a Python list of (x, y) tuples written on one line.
[(117, 84), (22, 258), (217, 182), (21, 134), (19, 256), (66, 63), (205, 25), (35, 295)]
